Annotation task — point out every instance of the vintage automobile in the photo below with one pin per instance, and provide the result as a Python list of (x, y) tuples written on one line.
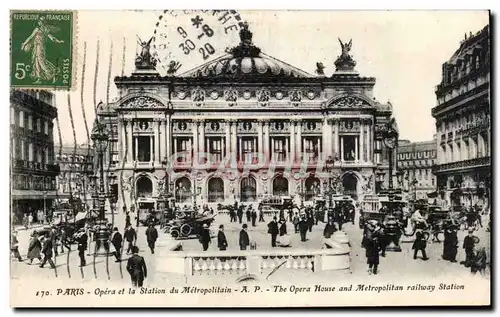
[(277, 202), (370, 210), (187, 226)]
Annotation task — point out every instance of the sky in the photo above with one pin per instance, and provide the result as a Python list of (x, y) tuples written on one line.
[(403, 50)]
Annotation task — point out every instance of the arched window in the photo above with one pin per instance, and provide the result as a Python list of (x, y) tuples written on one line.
[(215, 190), (182, 190), (350, 184), (312, 188), (144, 187), (248, 189), (280, 186)]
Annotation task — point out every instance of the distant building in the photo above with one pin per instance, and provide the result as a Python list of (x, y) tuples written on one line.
[(463, 123), (415, 161), (76, 168), (33, 170)]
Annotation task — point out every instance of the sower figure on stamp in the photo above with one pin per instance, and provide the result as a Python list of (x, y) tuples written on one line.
[(151, 237), (117, 240), (136, 267), (244, 238), (131, 237), (221, 239)]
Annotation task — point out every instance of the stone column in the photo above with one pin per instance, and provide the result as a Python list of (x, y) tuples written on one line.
[(260, 132), (368, 141), (292, 141), (121, 140), (325, 135), (266, 140), (287, 152), (202, 136), (151, 148), (130, 145), (356, 152), (336, 136), (300, 147), (194, 149), (342, 149), (234, 137), (227, 141), (162, 141), (168, 137), (362, 140), (136, 148), (157, 141)]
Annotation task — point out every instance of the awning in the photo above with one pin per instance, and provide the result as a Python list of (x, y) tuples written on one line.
[(33, 194)]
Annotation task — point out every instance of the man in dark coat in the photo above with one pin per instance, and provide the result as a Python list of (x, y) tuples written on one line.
[(128, 223), (249, 214), (338, 216), (151, 237), (14, 246), (310, 220), (283, 230), (53, 239), (450, 243), (117, 240), (303, 228), (329, 229), (82, 240), (221, 239), (205, 238), (468, 246), (419, 244), (239, 213), (254, 217), (136, 267), (273, 230), (371, 244), (131, 236), (47, 252), (261, 215), (244, 238)]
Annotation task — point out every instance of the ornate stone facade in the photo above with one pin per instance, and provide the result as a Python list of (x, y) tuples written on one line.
[(463, 123), (251, 126)]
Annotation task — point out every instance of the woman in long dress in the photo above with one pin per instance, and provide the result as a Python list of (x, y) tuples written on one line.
[(35, 248), (41, 67)]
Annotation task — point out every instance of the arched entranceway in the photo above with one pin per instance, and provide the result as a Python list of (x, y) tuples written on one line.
[(312, 187), (182, 190), (280, 186), (350, 185), (248, 189), (144, 187), (215, 190)]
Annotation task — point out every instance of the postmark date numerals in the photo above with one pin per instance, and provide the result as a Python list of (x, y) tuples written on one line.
[(206, 50)]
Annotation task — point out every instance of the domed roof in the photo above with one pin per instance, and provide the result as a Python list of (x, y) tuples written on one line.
[(246, 61)]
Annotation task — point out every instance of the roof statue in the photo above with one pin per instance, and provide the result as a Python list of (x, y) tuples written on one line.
[(345, 62), (246, 47), (320, 69), (145, 60)]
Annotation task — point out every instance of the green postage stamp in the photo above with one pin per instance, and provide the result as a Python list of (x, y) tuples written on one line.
[(42, 49)]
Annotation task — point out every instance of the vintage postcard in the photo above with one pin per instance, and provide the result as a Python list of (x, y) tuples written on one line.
[(224, 158)]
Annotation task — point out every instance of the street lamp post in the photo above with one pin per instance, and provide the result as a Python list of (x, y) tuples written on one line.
[(100, 139), (390, 140), (330, 164)]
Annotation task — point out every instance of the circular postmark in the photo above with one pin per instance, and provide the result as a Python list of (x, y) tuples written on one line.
[(185, 39)]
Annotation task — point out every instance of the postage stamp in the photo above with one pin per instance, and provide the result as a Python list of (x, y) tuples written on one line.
[(42, 49)]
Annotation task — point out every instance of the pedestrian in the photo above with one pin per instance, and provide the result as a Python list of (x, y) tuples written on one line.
[(116, 241), (273, 230), (25, 221), (82, 240), (254, 217), (382, 238), (371, 244), (221, 239), (131, 236), (261, 215), (63, 238), (244, 238), (240, 214), (151, 237), (303, 228), (128, 223), (47, 252), (296, 221), (53, 239), (136, 267), (30, 220), (249, 213), (34, 248), (89, 231), (14, 246), (283, 230), (479, 261), (310, 221), (329, 229), (468, 246), (205, 238), (419, 245), (450, 243)]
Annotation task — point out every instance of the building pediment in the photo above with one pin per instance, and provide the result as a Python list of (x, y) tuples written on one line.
[(142, 101), (349, 102)]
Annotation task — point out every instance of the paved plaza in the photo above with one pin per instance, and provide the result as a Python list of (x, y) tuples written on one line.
[(395, 266)]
